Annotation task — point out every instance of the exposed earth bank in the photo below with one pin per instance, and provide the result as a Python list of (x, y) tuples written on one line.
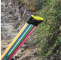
[(13, 16)]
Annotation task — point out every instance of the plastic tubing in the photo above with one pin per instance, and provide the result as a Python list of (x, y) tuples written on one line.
[(24, 27), (16, 43), (29, 28), (22, 42)]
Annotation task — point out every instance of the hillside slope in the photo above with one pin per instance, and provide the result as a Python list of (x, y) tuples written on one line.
[(44, 43), (49, 32)]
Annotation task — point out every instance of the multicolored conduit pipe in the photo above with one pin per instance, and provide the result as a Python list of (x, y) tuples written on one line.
[(22, 36)]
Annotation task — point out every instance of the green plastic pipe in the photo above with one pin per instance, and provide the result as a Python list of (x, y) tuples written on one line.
[(19, 42)]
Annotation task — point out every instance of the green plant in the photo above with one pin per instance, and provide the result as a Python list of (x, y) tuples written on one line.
[(48, 32)]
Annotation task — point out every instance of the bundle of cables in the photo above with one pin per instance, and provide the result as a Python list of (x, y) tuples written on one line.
[(22, 36)]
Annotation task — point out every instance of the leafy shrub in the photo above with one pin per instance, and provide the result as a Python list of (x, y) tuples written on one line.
[(48, 32)]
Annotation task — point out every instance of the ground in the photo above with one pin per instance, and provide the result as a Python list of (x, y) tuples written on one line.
[(23, 53), (13, 17)]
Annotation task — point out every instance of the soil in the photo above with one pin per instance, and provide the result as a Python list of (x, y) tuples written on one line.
[(23, 53), (13, 16)]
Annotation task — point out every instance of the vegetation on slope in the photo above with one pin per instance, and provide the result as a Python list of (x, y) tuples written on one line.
[(48, 32)]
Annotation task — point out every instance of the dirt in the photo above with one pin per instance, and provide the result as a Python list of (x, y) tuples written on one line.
[(23, 53), (13, 16)]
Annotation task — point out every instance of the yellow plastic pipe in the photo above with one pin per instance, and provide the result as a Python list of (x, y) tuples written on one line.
[(24, 27)]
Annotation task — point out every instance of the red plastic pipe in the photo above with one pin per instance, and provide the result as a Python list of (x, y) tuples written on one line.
[(22, 42)]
